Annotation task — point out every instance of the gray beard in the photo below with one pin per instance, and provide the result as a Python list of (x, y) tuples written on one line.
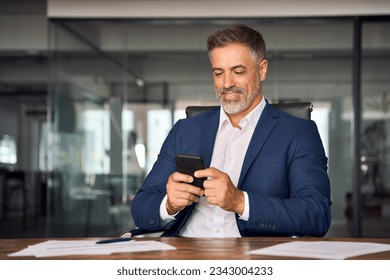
[(238, 105)]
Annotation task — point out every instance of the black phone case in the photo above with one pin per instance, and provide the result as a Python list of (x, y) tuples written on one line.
[(188, 164)]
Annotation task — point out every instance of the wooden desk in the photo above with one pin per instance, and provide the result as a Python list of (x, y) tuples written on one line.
[(193, 249)]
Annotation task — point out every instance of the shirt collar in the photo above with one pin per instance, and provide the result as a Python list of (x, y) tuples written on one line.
[(252, 117)]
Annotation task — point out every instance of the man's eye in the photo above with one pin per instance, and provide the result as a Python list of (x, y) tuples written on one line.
[(216, 74), (239, 72)]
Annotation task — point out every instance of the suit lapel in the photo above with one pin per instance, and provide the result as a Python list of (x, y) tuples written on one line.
[(182, 218), (209, 132), (265, 125)]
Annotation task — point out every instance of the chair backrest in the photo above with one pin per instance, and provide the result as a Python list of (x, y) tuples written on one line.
[(298, 109)]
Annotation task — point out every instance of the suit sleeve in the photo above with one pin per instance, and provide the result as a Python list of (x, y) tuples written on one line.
[(306, 208), (146, 204)]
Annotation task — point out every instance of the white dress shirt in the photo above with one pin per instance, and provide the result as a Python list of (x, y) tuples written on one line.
[(230, 147)]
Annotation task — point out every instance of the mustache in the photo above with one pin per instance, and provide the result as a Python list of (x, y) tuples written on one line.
[(231, 89)]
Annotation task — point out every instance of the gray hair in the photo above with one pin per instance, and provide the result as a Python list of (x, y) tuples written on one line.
[(238, 34)]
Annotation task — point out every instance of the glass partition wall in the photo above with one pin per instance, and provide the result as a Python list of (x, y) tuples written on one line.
[(92, 166), (117, 87), (375, 128)]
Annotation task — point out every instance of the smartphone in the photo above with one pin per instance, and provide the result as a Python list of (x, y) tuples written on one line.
[(188, 164)]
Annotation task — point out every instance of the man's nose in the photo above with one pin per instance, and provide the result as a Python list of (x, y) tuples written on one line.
[(228, 81)]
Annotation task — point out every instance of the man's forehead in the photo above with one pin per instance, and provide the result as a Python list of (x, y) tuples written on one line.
[(231, 56)]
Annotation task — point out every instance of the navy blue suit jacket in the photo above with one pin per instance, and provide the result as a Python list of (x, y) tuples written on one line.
[(284, 173)]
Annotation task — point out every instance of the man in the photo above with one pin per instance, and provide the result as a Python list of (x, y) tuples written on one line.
[(268, 170)]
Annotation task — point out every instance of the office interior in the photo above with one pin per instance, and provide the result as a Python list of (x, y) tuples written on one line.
[(85, 103)]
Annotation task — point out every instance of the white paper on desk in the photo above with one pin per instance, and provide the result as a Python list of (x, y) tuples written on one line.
[(55, 248), (335, 250), (22, 253)]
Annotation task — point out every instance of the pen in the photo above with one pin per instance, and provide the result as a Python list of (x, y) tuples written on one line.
[(114, 240)]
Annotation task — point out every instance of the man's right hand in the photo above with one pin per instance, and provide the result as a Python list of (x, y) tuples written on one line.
[(180, 193)]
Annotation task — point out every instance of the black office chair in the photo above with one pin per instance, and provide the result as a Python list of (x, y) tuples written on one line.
[(298, 109), (11, 182)]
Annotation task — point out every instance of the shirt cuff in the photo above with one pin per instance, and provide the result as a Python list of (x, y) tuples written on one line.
[(245, 214), (165, 218)]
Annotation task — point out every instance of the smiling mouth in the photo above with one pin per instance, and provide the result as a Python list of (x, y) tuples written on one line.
[(231, 95)]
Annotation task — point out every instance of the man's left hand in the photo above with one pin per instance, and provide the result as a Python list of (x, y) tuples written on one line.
[(219, 190)]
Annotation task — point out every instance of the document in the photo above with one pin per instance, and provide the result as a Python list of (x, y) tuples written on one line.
[(330, 250), (56, 248)]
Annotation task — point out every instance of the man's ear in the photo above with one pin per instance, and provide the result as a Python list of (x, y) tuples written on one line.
[(263, 67)]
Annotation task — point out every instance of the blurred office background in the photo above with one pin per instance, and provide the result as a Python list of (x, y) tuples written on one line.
[(89, 90)]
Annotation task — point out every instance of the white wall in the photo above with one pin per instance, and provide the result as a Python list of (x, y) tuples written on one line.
[(213, 8)]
